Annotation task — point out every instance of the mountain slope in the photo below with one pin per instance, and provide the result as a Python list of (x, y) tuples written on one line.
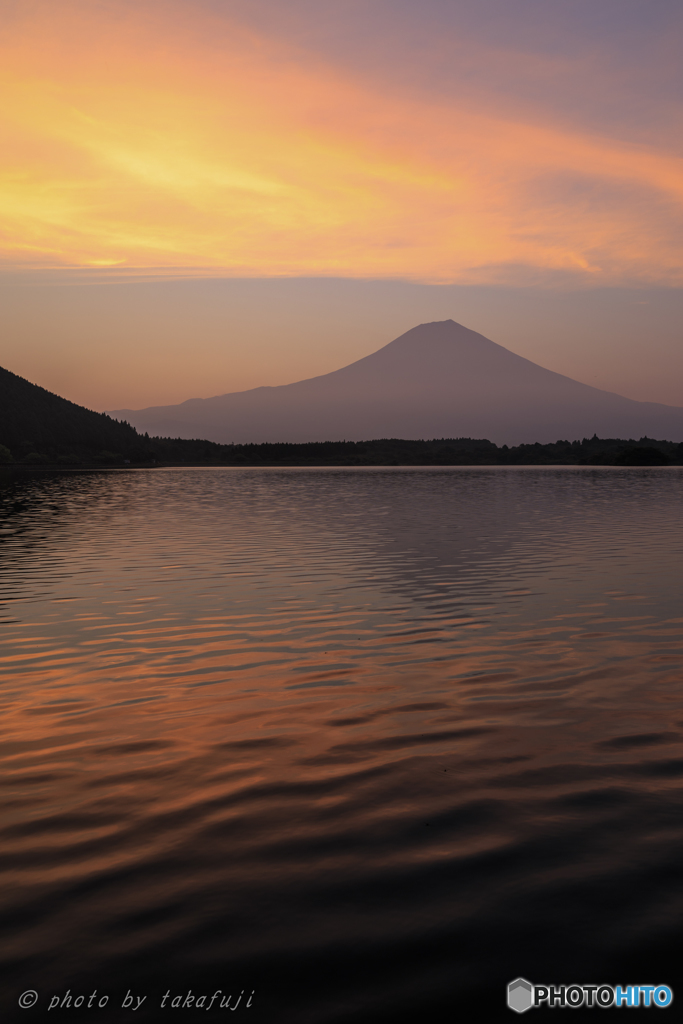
[(34, 421), (437, 380)]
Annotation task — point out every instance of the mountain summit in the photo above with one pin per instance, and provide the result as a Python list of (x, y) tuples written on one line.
[(437, 380)]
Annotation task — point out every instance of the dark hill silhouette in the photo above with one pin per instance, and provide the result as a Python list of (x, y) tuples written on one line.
[(437, 380), (38, 426)]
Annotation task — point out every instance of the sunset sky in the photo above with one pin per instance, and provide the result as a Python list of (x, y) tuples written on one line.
[(200, 197)]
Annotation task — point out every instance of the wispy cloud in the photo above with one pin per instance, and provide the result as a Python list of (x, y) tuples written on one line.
[(135, 143)]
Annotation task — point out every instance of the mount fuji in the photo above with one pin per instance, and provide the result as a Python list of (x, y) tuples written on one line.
[(437, 380)]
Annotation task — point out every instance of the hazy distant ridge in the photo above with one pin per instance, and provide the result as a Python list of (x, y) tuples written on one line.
[(437, 380)]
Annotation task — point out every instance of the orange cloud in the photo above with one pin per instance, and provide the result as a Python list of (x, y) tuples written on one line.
[(136, 142)]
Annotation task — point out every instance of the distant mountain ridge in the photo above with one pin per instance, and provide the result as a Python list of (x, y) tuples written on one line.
[(439, 379), (40, 430)]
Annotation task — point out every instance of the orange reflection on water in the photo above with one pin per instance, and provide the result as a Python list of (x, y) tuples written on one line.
[(323, 724)]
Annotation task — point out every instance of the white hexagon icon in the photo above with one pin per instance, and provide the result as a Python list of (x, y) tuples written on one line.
[(520, 995)]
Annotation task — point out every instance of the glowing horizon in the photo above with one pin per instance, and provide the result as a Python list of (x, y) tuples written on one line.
[(152, 143)]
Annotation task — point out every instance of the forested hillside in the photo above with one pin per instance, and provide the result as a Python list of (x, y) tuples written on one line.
[(37, 427)]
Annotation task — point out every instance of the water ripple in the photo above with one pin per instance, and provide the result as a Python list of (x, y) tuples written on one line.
[(369, 743)]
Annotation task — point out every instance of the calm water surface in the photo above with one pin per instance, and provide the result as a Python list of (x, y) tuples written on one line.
[(367, 744)]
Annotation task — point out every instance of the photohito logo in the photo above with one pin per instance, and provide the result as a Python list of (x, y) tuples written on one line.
[(523, 996)]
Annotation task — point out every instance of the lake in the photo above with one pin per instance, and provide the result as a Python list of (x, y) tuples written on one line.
[(348, 745)]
